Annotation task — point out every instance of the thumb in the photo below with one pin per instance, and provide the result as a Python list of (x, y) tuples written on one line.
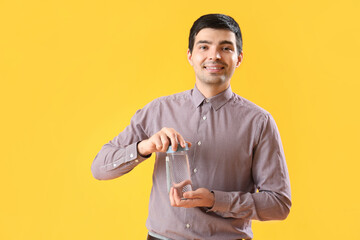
[(190, 194)]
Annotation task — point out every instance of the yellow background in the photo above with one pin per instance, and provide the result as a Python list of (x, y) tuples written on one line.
[(74, 72)]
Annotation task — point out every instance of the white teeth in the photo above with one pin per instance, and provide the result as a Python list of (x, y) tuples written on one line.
[(213, 68)]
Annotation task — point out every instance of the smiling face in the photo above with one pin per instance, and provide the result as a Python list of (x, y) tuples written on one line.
[(214, 57)]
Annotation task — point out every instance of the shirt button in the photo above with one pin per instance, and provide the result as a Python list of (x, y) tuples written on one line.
[(207, 100), (131, 155), (187, 225), (114, 164), (199, 143), (195, 170), (136, 160), (204, 117)]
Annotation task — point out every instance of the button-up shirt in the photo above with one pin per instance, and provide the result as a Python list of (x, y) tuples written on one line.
[(236, 153)]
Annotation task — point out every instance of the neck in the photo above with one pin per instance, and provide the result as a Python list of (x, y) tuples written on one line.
[(210, 90)]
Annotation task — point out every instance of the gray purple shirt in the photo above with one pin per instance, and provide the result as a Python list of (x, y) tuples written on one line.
[(236, 153)]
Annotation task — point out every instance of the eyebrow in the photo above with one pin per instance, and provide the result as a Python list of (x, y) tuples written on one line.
[(221, 43), (226, 42)]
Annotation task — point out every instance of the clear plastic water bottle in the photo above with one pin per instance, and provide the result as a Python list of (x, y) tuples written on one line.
[(178, 169)]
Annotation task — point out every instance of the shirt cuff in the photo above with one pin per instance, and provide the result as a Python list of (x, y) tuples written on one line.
[(131, 154), (131, 157), (221, 203)]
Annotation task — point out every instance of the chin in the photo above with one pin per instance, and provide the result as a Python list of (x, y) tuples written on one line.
[(215, 81)]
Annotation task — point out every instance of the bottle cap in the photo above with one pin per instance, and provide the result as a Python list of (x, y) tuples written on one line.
[(179, 148)]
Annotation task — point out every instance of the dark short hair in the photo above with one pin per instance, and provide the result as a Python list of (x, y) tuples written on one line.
[(216, 21)]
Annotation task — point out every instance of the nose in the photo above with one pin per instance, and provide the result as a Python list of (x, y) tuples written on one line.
[(214, 54)]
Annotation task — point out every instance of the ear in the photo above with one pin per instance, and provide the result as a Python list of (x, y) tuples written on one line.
[(240, 58), (189, 57)]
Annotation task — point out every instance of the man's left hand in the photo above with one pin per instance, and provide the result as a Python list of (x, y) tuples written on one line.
[(201, 197)]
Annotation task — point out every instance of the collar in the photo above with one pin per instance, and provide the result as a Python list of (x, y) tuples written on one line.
[(216, 101)]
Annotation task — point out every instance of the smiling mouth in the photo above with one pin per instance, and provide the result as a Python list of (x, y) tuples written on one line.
[(214, 69)]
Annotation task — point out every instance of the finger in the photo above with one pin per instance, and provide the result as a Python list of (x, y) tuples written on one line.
[(198, 193), (172, 135), (189, 143), (157, 142), (185, 203), (177, 198), (172, 201), (190, 195), (181, 140), (165, 142), (174, 141), (194, 203), (190, 203)]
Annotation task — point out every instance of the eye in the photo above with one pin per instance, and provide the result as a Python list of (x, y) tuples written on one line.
[(203, 47), (227, 49)]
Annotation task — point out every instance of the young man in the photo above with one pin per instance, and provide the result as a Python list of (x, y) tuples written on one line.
[(237, 163)]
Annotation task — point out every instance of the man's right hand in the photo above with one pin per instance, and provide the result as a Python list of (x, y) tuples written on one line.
[(160, 141)]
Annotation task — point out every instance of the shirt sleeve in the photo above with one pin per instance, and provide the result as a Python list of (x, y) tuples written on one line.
[(120, 155), (272, 201)]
